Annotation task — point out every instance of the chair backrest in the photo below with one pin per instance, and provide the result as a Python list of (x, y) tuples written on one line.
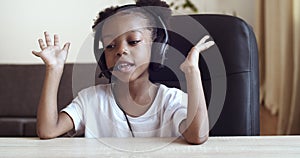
[(235, 76)]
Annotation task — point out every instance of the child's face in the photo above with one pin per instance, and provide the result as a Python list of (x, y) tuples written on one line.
[(127, 43)]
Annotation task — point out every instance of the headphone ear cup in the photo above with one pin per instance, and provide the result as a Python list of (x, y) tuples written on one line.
[(97, 54), (102, 62), (103, 67), (100, 58), (159, 48)]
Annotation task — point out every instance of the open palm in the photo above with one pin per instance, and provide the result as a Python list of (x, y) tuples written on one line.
[(192, 58), (52, 54)]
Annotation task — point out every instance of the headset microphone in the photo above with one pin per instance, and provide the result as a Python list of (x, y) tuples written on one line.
[(102, 73)]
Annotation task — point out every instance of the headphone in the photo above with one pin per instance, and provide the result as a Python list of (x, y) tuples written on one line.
[(159, 46)]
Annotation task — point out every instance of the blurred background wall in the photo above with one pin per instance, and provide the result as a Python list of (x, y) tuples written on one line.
[(23, 22)]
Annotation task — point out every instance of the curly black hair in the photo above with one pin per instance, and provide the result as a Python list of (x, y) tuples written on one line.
[(158, 8)]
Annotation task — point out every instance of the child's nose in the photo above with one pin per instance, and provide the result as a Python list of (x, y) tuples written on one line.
[(122, 50)]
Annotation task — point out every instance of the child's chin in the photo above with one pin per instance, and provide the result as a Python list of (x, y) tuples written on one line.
[(126, 78)]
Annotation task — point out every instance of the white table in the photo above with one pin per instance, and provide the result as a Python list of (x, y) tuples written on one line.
[(239, 147)]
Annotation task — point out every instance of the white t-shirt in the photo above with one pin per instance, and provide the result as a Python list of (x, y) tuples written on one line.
[(95, 113)]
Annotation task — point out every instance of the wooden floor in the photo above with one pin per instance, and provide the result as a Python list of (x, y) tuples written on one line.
[(268, 122)]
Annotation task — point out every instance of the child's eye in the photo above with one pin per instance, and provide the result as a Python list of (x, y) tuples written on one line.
[(110, 46), (134, 42)]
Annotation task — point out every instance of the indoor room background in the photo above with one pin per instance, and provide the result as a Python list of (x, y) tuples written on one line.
[(23, 22)]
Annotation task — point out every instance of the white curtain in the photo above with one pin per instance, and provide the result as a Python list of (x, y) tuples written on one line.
[(278, 36)]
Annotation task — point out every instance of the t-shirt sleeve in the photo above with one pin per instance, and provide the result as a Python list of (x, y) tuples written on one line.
[(177, 110), (179, 115), (75, 111)]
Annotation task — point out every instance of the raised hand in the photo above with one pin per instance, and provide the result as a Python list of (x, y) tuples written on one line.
[(192, 59), (195, 128), (52, 55)]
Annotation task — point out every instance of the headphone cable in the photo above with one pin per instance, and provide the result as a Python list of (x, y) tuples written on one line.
[(127, 120)]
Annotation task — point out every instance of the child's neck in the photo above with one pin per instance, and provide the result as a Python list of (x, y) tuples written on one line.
[(135, 97), (137, 90)]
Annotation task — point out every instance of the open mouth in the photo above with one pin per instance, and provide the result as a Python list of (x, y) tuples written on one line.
[(124, 66)]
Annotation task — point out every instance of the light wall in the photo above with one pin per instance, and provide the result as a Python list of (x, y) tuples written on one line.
[(244, 9), (24, 21)]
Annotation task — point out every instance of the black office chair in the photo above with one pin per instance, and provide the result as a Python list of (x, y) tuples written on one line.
[(229, 70)]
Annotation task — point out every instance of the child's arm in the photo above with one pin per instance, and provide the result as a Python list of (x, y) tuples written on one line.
[(50, 124), (195, 129)]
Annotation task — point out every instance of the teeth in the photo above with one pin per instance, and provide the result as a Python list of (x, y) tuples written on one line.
[(121, 66)]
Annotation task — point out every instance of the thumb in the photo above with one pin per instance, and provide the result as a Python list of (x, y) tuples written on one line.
[(37, 54), (67, 46)]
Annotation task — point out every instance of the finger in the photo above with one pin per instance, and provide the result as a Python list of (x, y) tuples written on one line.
[(204, 46), (199, 45), (48, 39), (208, 44), (203, 40), (42, 44), (195, 51), (36, 53), (66, 47), (56, 40)]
